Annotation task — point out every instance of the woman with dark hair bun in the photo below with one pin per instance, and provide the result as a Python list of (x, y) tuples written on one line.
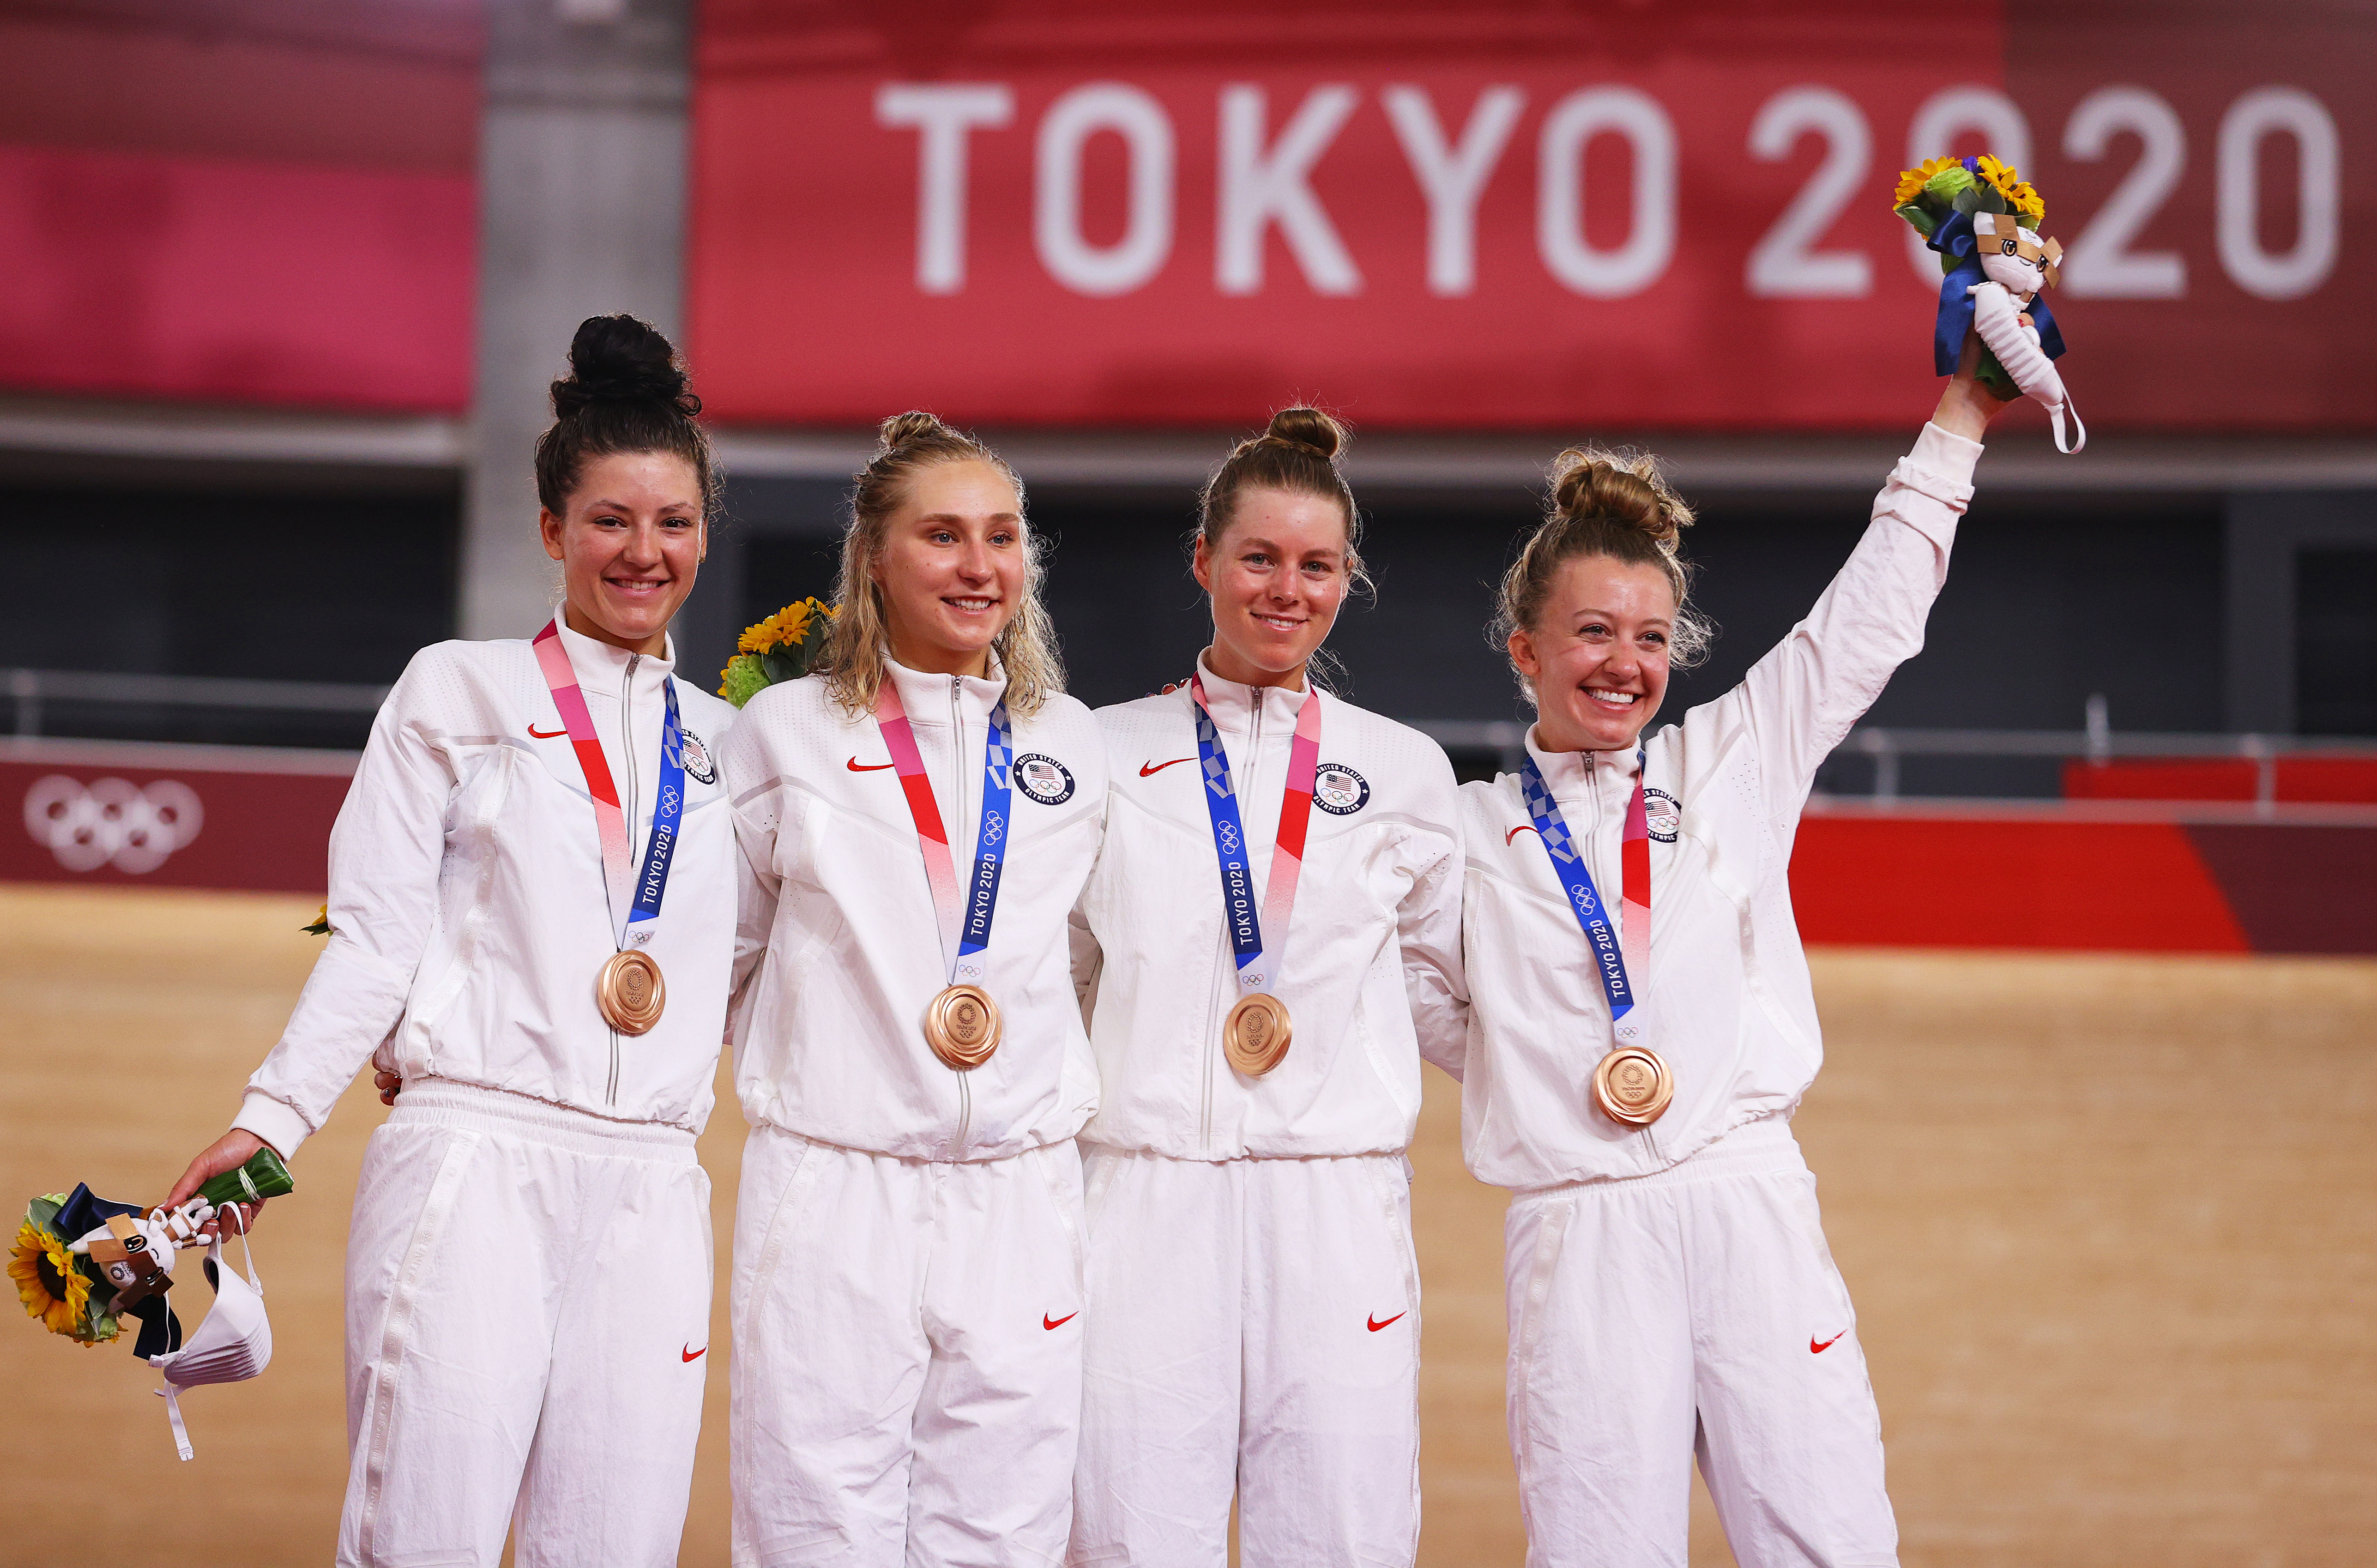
[(1644, 1026), (1270, 943), (532, 923)]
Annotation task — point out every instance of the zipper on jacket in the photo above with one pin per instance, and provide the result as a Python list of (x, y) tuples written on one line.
[(958, 813), (626, 745)]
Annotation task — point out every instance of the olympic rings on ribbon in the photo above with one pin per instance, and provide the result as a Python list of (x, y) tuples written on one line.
[(111, 822)]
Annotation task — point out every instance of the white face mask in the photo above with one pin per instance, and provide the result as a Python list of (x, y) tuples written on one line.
[(232, 1346)]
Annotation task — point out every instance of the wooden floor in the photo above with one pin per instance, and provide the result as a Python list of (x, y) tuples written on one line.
[(2111, 1225)]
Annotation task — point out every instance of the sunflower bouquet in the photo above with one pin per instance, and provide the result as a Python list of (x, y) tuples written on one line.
[(82, 1264), (783, 647), (1983, 220)]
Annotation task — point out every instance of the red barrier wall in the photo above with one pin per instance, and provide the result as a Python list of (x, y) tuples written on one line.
[(170, 816), (2012, 877)]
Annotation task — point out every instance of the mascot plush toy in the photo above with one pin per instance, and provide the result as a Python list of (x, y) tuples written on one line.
[(1984, 224)]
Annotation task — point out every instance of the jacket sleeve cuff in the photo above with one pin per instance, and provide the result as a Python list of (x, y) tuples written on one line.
[(275, 1122), (1941, 466)]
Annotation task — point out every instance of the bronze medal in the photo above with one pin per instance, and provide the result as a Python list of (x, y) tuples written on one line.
[(1256, 1033), (629, 991), (963, 1027), (1632, 1085)]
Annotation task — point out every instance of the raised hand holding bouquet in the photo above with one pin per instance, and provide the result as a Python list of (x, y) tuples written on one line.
[(82, 1264), (1984, 221)]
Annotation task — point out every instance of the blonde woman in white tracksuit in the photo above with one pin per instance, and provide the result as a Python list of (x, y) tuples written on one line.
[(1281, 868), (917, 822), (1644, 1029), (536, 831)]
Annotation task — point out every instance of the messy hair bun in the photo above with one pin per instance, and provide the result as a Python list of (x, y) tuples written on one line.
[(1605, 502), (858, 640), (624, 392), (1297, 452)]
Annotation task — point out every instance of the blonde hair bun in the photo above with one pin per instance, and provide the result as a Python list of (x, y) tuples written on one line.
[(1621, 487), (907, 429), (1308, 429)]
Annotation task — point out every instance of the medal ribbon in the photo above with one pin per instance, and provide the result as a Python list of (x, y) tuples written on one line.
[(1257, 963), (1631, 938), (962, 914), (639, 893)]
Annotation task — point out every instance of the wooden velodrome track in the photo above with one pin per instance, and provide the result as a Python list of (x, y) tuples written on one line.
[(2110, 1223)]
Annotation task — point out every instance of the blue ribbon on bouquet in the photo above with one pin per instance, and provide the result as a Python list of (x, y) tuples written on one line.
[(1956, 238)]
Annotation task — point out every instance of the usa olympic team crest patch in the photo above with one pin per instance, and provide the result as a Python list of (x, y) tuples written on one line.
[(1662, 815), (1338, 790), (1045, 779)]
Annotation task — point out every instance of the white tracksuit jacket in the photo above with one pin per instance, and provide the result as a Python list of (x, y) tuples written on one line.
[(1371, 970), (907, 1292), (829, 1030), (1670, 1285), (468, 909), (530, 1255), (1730, 1002)]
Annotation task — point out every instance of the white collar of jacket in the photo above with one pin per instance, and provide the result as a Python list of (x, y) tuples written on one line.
[(1577, 773), (600, 666), (926, 697), (1233, 705)]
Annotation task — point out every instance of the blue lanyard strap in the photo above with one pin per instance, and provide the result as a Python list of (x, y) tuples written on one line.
[(989, 843), (668, 813), (1584, 898), (1229, 842)]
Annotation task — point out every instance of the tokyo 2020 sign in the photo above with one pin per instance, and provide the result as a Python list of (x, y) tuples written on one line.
[(1505, 215)]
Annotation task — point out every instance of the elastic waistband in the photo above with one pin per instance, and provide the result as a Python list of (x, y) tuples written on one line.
[(1764, 1147), (441, 1102)]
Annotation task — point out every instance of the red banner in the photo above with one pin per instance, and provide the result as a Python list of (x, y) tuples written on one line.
[(170, 816), (1500, 215), (132, 274)]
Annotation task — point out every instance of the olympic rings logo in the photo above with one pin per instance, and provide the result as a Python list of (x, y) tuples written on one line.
[(111, 823)]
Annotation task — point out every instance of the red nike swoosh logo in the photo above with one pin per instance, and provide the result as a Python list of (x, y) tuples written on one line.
[(856, 766), (693, 1354), (1047, 1321), (1149, 770), (1375, 1325), (1522, 828), (1816, 1349), (536, 734)]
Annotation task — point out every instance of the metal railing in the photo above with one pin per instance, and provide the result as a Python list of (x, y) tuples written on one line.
[(2099, 743), (30, 689), (1506, 738)]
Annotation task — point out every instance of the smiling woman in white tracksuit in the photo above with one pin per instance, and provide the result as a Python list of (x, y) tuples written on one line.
[(1254, 1304), (917, 821), (528, 1264), (1644, 1028)]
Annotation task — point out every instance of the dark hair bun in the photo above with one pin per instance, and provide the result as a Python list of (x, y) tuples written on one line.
[(621, 359), (907, 429), (1308, 429), (1629, 492)]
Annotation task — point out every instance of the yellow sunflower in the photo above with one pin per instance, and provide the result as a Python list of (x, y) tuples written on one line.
[(790, 624), (47, 1282), (2018, 192), (1912, 181)]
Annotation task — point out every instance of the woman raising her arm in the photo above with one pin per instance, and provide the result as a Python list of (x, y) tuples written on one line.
[(1644, 1028)]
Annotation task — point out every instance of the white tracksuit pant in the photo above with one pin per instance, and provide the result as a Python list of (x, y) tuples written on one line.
[(528, 1306), (907, 1376), (1695, 1308), (1254, 1324)]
